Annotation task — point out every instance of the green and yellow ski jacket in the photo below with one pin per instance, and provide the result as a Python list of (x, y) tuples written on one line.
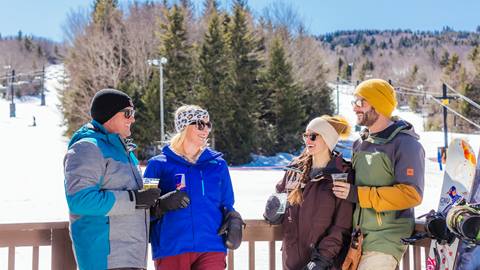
[(389, 181)]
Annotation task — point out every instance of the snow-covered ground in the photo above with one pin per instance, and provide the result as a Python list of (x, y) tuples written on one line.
[(32, 171)]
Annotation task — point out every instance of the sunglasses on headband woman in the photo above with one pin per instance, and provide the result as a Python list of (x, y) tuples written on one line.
[(202, 124), (311, 136)]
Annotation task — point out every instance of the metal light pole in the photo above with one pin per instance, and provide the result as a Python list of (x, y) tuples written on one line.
[(338, 97), (7, 68), (12, 105), (42, 101), (160, 62)]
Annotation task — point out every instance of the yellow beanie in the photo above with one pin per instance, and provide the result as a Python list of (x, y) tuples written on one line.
[(378, 93)]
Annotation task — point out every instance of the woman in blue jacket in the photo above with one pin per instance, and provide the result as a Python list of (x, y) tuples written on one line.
[(197, 235)]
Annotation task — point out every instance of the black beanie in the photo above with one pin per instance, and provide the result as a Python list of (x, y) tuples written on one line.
[(107, 102)]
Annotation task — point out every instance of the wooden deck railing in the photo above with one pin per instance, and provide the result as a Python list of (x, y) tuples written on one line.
[(56, 235)]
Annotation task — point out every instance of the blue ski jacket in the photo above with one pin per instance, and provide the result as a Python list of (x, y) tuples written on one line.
[(100, 175), (208, 184)]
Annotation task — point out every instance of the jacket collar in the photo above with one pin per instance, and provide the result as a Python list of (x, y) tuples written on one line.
[(206, 156), (387, 135), (94, 129), (336, 165)]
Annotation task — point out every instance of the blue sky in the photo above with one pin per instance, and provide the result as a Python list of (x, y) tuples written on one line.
[(45, 17)]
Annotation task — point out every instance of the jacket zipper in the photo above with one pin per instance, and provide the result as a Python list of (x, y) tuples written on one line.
[(189, 171), (147, 234), (203, 185)]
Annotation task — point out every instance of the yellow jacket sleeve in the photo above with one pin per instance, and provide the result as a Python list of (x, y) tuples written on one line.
[(388, 198)]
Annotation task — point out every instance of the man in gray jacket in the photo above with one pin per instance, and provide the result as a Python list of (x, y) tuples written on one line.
[(109, 211)]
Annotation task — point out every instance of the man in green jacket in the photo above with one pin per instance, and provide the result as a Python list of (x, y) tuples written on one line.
[(389, 163)]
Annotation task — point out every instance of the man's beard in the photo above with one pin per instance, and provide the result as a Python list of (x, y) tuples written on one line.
[(368, 118)]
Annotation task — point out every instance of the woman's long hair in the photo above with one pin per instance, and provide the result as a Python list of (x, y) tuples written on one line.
[(304, 161)]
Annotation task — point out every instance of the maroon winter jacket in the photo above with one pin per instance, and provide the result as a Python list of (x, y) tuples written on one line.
[(322, 221)]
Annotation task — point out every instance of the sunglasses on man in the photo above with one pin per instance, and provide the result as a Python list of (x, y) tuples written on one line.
[(128, 113), (311, 136), (202, 124), (359, 103)]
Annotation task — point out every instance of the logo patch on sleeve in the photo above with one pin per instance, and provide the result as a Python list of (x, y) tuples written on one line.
[(410, 172)]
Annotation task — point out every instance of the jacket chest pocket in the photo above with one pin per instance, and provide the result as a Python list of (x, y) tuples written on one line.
[(375, 168), (119, 176), (211, 185)]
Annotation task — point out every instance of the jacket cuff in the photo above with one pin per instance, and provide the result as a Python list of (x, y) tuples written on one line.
[(353, 194), (364, 197)]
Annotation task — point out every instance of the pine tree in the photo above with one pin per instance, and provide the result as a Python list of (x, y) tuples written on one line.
[(317, 95), (108, 18), (27, 43), (215, 89), (103, 10), (243, 70), (472, 89), (146, 129), (288, 113), (178, 73), (454, 73), (444, 59), (209, 7), (94, 66), (413, 100)]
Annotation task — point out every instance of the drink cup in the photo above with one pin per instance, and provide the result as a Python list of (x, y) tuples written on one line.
[(340, 177), (149, 183)]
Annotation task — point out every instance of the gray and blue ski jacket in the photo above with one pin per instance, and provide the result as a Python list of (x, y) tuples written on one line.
[(100, 175)]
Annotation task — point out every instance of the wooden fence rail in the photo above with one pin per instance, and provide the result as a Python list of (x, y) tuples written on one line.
[(56, 235)]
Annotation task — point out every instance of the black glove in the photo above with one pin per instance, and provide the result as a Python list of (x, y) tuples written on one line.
[(146, 198), (318, 262), (170, 201), (231, 229)]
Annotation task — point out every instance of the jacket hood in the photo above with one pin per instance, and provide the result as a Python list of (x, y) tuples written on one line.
[(207, 155), (386, 135), (96, 130)]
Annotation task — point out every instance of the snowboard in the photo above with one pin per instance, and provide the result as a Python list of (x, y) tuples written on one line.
[(457, 183), (468, 257)]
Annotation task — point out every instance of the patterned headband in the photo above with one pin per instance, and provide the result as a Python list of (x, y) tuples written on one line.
[(183, 119)]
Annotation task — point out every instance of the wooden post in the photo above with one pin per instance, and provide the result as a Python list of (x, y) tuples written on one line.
[(271, 254), (11, 258), (62, 254), (406, 259), (251, 255), (230, 259), (35, 257)]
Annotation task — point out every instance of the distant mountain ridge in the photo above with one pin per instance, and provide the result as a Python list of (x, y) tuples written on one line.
[(392, 54)]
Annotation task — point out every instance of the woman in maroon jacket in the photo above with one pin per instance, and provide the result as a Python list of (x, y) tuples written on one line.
[(316, 224)]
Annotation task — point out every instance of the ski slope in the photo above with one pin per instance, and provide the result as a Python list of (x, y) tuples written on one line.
[(32, 170)]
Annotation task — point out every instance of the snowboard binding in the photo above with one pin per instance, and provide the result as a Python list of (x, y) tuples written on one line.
[(435, 228), (463, 220)]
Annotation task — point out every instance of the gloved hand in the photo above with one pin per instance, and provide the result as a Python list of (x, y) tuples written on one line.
[(318, 262), (170, 201), (231, 229), (146, 198)]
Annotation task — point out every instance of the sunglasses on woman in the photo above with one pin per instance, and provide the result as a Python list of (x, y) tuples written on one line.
[(128, 113), (311, 136), (202, 124)]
